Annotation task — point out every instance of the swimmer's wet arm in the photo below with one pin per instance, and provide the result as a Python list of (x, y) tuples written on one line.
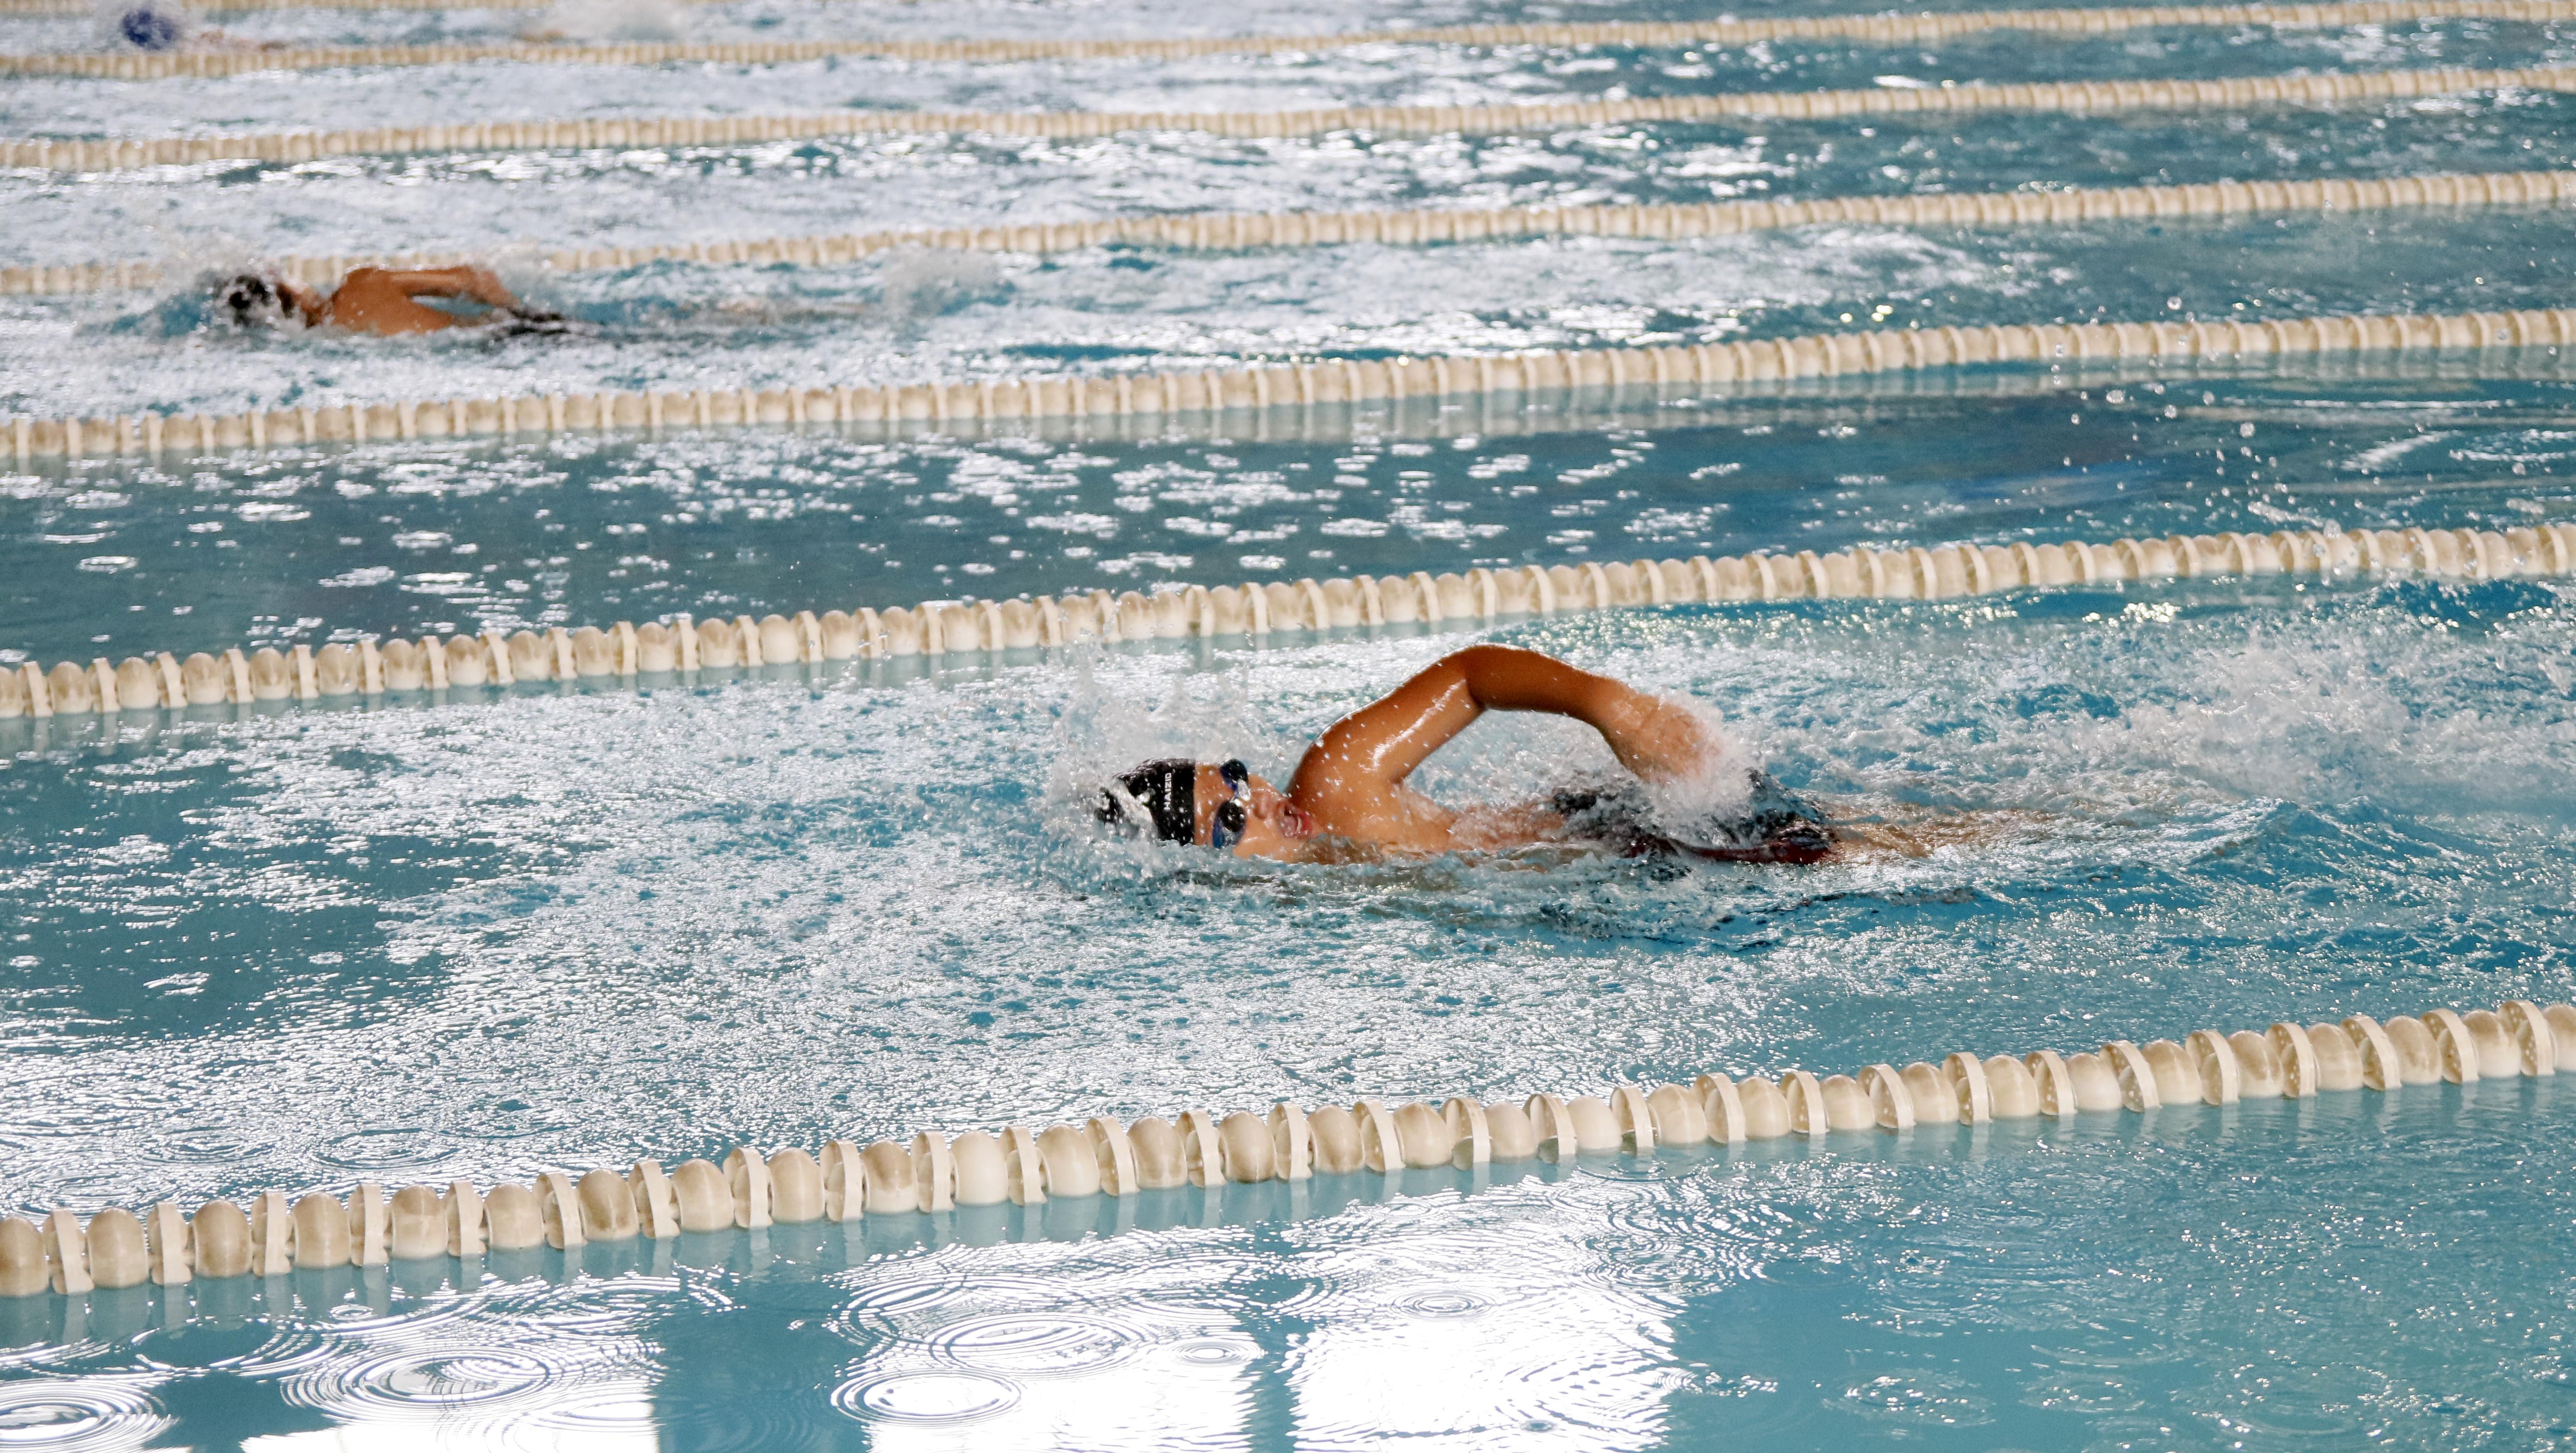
[(463, 281), (1650, 736), (1375, 748)]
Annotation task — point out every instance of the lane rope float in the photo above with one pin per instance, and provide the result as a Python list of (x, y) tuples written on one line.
[(653, 132), (1158, 400), (682, 648), (223, 7), (1641, 403), (1239, 230), (371, 1225), (1874, 29), (1723, 31)]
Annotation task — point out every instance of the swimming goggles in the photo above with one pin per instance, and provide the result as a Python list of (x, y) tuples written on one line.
[(1230, 816)]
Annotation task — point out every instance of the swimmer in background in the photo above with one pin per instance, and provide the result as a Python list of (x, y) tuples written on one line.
[(1349, 798), (382, 302), (166, 25)]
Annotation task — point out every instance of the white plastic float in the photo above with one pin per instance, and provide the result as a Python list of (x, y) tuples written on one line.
[(2080, 97), (1257, 611), (1238, 230), (370, 1226), (1873, 29), (1506, 387)]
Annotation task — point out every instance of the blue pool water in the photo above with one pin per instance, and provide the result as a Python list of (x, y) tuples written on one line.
[(291, 947)]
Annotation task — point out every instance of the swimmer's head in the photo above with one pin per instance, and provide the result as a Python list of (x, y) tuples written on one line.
[(1162, 794), (1209, 804), (248, 300), (147, 24)]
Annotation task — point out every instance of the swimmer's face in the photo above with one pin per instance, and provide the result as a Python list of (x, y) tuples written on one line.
[(1272, 825)]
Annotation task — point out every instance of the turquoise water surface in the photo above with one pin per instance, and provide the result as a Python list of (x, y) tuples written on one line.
[(407, 941)]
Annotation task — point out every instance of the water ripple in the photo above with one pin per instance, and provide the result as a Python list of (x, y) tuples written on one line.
[(926, 1397), (379, 1150), (1035, 1346), (431, 1385), (73, 1417), (1213, 1353), (1442, 1304)]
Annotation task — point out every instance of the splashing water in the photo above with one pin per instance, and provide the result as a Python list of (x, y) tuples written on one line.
[(558, 928), (600, 20)]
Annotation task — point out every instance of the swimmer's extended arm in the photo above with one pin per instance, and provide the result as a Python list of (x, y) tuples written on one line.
[(1371, 751), (388, 303), (466, 281)]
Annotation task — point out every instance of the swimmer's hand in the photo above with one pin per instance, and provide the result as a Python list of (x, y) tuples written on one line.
[(1659, 740)]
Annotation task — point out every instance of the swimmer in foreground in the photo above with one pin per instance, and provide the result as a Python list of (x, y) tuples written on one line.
[(379, 301), (1349, 799)]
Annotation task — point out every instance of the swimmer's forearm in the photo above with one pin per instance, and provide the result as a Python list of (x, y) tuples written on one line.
[(488, 289), (1654, 738), (1365, 754), (465, 281), (1650, 737), (1506, 678)]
